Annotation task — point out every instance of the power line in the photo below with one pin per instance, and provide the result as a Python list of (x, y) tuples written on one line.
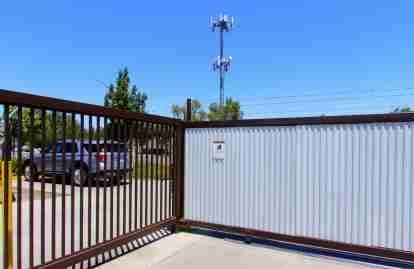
[(306, 95), (328, 106), (325, 100), (329, 99), (319, 111), (333, 93)]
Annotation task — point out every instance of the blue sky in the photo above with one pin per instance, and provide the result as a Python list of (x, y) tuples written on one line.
[(340, 56)]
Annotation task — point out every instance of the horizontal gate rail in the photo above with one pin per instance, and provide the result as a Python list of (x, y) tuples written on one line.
[(30, 100), (106, 246), (400, 257), (348, 119)]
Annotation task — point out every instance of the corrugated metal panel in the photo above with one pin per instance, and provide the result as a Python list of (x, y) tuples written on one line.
[(347, 183)]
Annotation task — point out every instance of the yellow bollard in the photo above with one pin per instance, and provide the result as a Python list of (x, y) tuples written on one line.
[(7, 217)]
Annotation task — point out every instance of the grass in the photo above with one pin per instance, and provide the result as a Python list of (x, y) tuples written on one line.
[(157, 171)]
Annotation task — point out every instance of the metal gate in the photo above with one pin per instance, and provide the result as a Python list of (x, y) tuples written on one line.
[(90, 183), (341, 183)]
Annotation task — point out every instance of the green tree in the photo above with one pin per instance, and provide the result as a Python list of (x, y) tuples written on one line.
[(124, 96), (178, 111), (197, 113), (49, 127), (230, 111), (36, 129), (402, 109)]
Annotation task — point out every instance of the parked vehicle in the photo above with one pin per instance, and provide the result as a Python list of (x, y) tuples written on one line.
[(80, 161)]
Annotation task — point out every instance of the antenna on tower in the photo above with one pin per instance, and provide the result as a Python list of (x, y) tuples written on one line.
[(222, 63)]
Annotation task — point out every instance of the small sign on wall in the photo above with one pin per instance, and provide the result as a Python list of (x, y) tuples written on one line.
[(218, 150)]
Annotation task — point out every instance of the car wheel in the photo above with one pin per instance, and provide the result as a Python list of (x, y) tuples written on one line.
[(30, 172), (79, 176)]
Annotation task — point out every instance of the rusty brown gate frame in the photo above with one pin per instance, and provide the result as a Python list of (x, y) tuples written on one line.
[(146, 135), (173, 210)]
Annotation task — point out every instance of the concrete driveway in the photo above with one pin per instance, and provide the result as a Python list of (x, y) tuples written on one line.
[(185, 250), (77, 205)]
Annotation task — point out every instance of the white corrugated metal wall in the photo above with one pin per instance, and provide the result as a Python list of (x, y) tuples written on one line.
[(351, 183)]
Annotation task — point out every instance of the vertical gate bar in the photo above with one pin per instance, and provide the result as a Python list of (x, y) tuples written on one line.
[(111, 194), (19, 187), (97, 181), (165, 152), (172, 171), (147, 137), (135, 171), (177, 168), (90, 134), (53, 232), (169, 172), (118, 181), (104, 213), (124, 175), (140, 143), (130, 172), (161, 179), (166, 167), (43, 116), (72, 186), (31, 196), (156, 176), (63, 182), (152, 175), (81, 184), (7, 226)]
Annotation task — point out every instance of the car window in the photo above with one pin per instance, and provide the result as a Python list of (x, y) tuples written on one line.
[(93, 148), (69, 147), (59, 148), (114, 147)]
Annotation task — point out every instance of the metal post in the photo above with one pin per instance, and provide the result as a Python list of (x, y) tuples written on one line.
[(179, 145), (188, 114), (179, 172), (221, 68), (222, 63)]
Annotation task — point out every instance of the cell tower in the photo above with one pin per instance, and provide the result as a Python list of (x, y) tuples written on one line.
[(222, 63)]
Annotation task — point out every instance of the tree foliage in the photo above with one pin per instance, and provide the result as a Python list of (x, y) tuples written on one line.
[(197, 113), (49, 132), (41, 132), (230, 111), (124, 96), (402, 109)]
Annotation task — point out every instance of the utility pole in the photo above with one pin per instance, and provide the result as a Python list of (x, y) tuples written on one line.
[(222, 63)]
